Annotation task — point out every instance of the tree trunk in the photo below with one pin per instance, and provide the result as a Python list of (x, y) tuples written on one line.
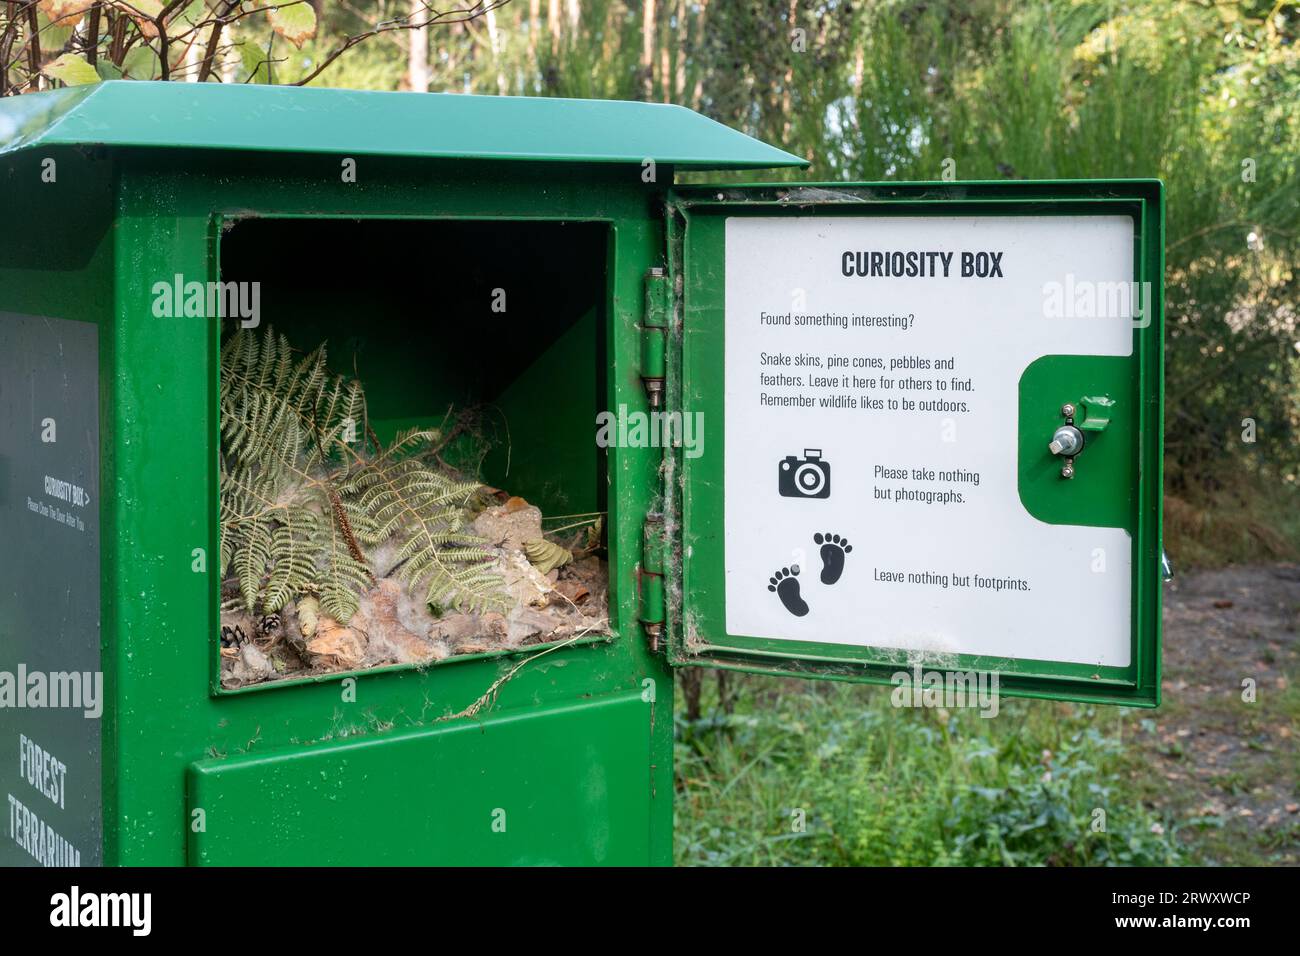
[(455, 81), (648, 51), (665, 58), (417, 73), (553, 23), (680, 49), (697, 93), (494, 38), (786, 101), (691, 679)]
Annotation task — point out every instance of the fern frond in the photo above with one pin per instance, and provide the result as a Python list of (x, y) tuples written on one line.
[(292, 560), (424, 510), (340, 422), (342, 577), (251, 561), (303, 492)]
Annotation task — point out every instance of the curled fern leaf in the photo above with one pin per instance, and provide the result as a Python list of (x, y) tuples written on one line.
[(546, 556)]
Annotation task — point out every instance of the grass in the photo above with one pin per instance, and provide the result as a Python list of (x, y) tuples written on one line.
[(822, 773), (792, 772)]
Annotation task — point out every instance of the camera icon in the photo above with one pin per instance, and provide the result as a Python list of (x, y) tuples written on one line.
[(806, 477)]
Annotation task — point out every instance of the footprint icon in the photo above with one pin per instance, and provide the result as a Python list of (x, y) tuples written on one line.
[(786, 585), (834, 548)]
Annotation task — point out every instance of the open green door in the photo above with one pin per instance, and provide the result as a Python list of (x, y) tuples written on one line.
[(927, 424)]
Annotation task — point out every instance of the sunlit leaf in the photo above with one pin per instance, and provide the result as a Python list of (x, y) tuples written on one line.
[(72, 69), (255, 62)]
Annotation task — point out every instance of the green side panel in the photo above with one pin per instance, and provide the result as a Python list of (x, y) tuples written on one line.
[(59, 265), (49, 587), (1102, 492), (260, 118), (554, 786)]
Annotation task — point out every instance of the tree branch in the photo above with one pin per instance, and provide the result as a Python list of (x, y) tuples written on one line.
[(33, 41), (464, 15)]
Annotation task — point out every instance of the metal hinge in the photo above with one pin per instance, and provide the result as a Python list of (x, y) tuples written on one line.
[(654, 347), (652, 610), (654, 335)]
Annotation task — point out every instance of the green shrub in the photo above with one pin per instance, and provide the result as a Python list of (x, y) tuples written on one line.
[(873, 785)]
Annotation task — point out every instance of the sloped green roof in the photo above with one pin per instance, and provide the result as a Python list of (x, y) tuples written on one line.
[(444, 125)]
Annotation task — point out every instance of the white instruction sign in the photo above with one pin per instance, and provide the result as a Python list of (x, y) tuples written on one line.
[(872, 423)]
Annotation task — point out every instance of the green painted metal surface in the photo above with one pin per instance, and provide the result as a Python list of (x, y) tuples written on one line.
[(564, 786), (260, 118), (1104, 491)]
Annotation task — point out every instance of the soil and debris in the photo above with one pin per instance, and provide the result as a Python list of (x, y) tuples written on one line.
[(561, 592), (1220, 755)]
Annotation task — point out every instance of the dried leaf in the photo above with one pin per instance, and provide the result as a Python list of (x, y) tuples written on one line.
[(65, 13), (334, 640), (546, 556), (575, 591), (296, 22), (143, 13)]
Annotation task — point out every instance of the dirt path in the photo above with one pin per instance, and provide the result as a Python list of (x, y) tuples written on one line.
[(1226, 768)]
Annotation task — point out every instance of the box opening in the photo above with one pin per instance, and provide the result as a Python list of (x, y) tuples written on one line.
[(488, 334)]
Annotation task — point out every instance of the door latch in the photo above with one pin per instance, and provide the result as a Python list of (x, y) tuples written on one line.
[(1090, 414)]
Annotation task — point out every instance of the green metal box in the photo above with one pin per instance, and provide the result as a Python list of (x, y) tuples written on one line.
[(858, 385)]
